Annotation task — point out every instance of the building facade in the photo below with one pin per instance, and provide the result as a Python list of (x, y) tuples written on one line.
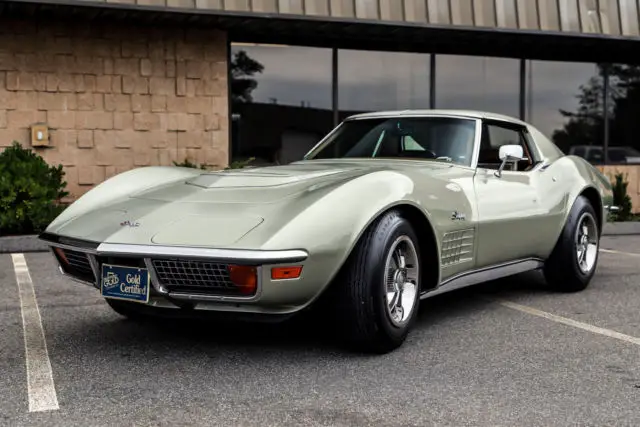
[(118, 84)]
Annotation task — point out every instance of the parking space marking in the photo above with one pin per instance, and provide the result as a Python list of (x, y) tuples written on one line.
[(611, 251), (40, 386), (570, 322)]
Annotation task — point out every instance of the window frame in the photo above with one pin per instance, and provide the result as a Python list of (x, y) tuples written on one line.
[(478, 122), (529, 145)]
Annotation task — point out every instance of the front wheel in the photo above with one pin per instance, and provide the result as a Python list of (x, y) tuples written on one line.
[(573, 261), (378, 291)]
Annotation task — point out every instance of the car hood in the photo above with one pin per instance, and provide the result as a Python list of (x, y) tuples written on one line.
[(218, 209)]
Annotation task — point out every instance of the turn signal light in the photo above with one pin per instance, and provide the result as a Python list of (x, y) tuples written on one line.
[(61, 255), (245, 277), (280, 273)]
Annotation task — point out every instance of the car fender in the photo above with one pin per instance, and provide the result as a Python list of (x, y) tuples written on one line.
[(331, 226), (581, 176), (120, 187)]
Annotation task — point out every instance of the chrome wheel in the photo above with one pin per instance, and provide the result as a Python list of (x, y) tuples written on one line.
[(586, 242), (401, 271)]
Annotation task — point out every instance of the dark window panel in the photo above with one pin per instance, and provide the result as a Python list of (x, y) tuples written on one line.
[(565, 101), (624, 111), (281, 110), (478, 83), (374, 81)]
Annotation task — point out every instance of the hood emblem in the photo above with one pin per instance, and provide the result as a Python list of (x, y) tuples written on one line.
[(128, 223)]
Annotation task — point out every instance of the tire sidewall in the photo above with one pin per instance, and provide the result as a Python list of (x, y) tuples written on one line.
[(581, 207), (386, 234)]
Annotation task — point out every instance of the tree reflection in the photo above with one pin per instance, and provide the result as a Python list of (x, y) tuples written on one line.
[(243, 68), (585, 126)]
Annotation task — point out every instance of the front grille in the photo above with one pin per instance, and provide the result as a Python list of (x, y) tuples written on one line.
[(78, 265), (198, 277)]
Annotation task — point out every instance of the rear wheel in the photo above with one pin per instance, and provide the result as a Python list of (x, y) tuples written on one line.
[(573, 261), (377, 294)]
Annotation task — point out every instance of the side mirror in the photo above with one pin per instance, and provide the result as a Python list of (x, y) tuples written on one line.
[(514, 151), (511, 154)]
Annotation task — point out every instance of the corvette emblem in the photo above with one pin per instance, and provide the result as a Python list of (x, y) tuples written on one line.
[(130, 224), (457, 216)]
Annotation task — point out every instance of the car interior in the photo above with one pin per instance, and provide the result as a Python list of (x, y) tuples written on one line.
[(448, 140), (496, 135)]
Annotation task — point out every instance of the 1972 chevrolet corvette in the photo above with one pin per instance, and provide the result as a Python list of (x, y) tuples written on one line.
[(387, 209)]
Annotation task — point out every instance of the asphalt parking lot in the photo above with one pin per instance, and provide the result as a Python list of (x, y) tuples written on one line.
[(501, 354)]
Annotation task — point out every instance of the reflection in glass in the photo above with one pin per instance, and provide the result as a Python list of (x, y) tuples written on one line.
[(624, 114), (281, 101), (478, 83), (425, 138), (565, 102), (371, 80)]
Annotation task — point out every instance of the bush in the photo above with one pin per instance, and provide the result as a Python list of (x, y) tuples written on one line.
[(30, 191), (621, 199), (187, 164), (240, 164), (237, 164)]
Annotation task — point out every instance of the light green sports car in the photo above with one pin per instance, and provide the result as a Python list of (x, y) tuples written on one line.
[(389, 208)]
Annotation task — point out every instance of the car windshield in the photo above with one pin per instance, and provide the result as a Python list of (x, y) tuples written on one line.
[(442, 138)]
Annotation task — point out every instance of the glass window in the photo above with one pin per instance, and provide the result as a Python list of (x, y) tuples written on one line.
[(281, 101), (478, 83), (624, 111), (439, 138), (495, 136), (499, 136), (375, 81), (565, 102)]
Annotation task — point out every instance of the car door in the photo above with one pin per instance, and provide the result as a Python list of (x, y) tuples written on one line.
[(510, 211)]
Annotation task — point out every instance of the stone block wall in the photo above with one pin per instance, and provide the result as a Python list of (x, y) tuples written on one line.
[(632, 176), (114, 97)]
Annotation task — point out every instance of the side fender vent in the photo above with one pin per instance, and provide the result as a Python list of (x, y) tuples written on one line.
[(457, 247)]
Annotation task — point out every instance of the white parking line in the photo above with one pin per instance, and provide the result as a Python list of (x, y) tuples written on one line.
[(559, 319), (42, 391), (611, 251)]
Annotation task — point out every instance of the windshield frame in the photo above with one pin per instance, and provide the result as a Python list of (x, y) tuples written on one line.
[(476, 140)]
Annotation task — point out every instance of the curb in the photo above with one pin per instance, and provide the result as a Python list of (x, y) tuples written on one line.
[(31, 243), (627, 228), (22, 244)]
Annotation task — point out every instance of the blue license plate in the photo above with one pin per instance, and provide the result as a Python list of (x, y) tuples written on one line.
[(125, 283)]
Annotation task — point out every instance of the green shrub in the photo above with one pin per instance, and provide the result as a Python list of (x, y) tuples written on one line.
[(187, 164), (621, 199), (237, 164), (30, 191)]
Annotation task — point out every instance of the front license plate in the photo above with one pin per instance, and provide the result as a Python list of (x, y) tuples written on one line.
[(125, 283)]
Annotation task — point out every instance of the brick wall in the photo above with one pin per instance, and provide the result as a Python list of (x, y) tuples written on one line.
[(114, 97)]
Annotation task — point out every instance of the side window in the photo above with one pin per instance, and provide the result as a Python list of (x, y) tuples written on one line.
[(411, 144), (495, 136), (499, 136)]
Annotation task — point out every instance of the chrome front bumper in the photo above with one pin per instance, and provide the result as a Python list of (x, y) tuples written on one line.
[(160, 295)]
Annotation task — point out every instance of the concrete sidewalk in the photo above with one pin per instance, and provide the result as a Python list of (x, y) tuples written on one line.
[(31, 243)]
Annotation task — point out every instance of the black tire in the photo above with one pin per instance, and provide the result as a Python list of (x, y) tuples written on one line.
[(561, 270), (358, 299)]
